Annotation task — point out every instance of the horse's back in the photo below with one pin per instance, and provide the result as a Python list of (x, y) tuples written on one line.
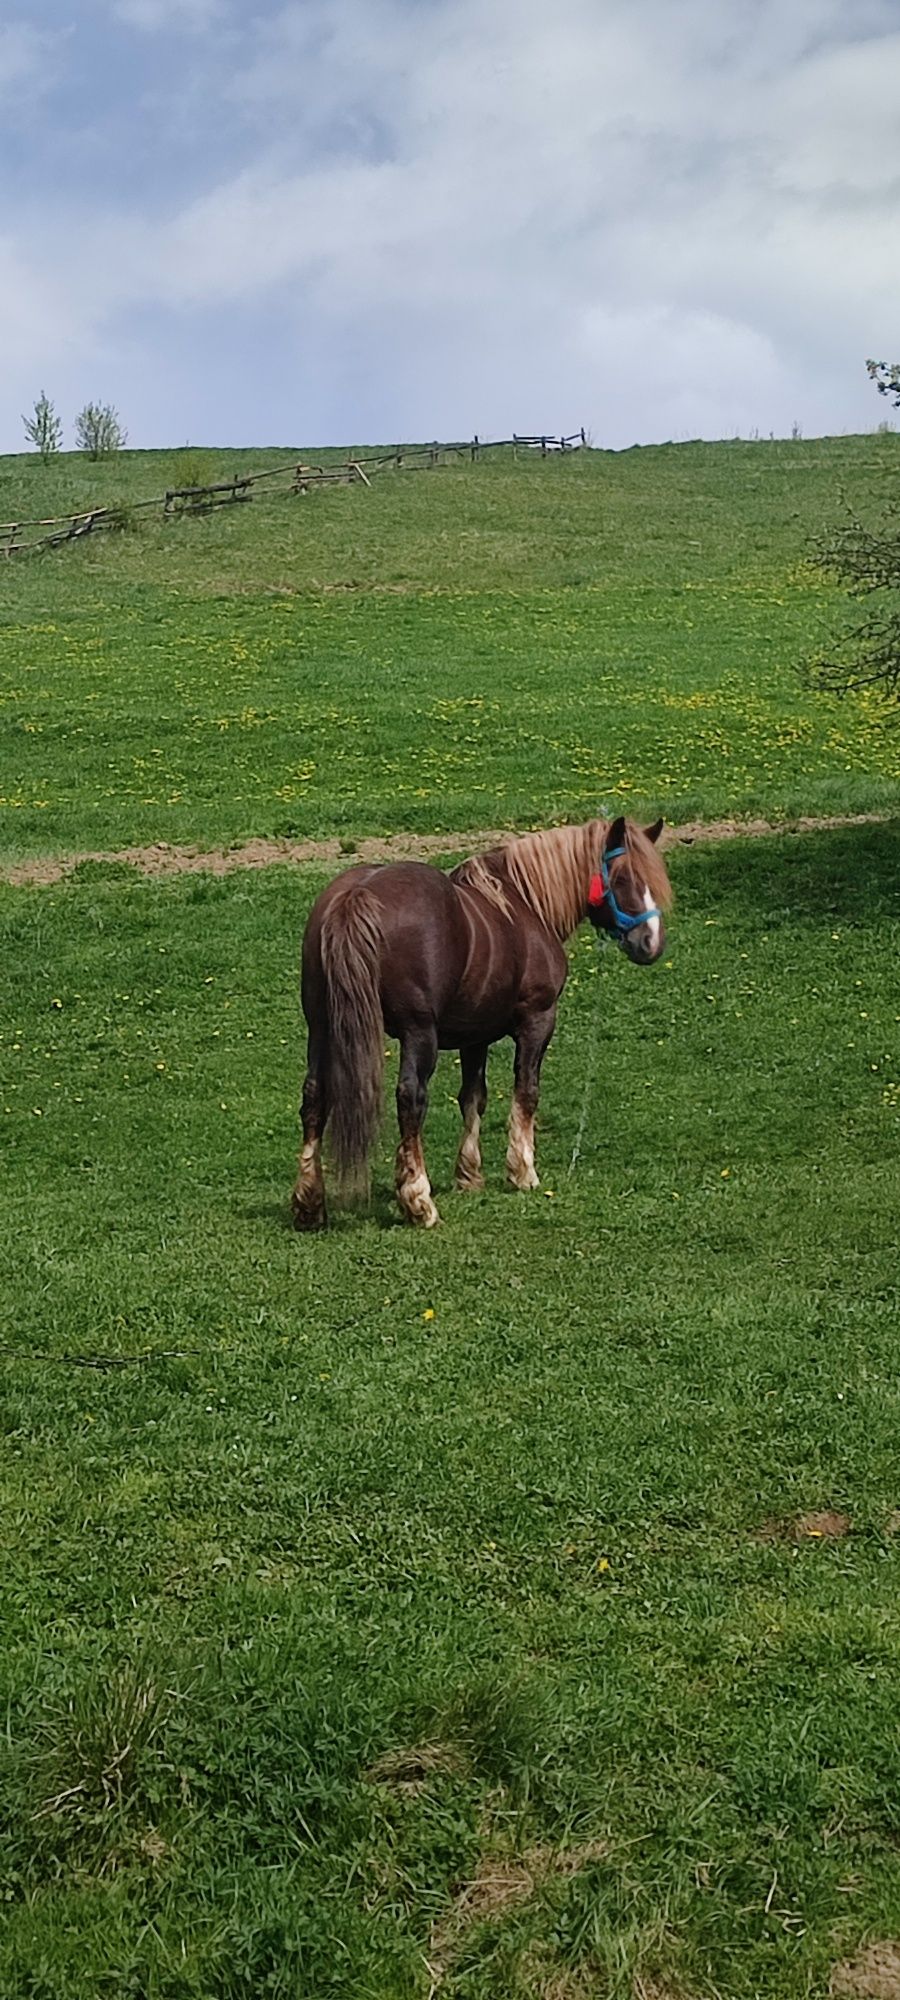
[(421, 931)]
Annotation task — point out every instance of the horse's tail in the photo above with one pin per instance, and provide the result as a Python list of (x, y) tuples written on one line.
[(350, 946)]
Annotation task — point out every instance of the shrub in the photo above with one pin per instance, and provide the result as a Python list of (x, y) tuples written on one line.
[(98, 430), (193, 469)]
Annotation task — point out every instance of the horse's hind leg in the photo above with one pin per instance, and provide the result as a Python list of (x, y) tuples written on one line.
[(472, 1101), (531, 1047), (418, 1055), (308, 1199)]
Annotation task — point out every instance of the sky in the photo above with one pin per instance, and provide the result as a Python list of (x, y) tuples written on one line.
[(359, 221)]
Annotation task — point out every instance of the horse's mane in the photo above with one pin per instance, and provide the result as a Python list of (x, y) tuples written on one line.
[(551, 871)]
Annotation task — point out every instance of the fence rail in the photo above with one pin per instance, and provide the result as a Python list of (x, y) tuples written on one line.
[(26, 537)]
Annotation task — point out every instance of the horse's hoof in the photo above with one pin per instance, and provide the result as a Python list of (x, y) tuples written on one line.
[(470, 1183), (423, 1216), (524, 1183), (307, 1215)]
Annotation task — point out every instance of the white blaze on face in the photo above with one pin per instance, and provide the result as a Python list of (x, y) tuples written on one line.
[(653, 922)]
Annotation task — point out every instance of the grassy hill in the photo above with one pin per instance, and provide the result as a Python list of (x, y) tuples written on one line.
[(510, 642), (509, 1613)]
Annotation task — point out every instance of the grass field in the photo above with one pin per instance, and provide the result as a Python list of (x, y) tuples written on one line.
[(509, 1613), (501, 644), (525, 1532)]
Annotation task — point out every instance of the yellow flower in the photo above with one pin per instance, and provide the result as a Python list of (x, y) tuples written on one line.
[(428, 1313)]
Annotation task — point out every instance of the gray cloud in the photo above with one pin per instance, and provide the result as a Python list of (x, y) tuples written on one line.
[(477, 213)]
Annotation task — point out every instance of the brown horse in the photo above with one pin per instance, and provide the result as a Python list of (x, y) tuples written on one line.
[(455, 961)]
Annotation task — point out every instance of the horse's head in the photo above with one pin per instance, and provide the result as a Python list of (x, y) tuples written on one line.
[(627, 897)]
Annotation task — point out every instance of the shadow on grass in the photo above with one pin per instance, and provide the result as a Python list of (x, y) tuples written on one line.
[(850, 875), (382, 1209)]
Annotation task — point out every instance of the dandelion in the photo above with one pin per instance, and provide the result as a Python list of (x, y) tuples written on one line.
[(428, 1313)]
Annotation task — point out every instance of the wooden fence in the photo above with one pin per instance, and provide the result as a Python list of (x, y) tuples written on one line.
[(25, 537)]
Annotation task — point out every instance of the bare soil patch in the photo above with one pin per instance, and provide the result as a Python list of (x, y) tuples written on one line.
[(160, 858), (874, 1973), (826, 1526)]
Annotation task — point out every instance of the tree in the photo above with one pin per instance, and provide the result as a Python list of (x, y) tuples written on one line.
[(44, 429), (867, 562), (886, 377), (98, 430)]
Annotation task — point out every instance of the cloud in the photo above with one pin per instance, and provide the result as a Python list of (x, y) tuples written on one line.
[(26, 60), (707, 372), (38, 325), (156, 17), (503, 209), (834, 120)]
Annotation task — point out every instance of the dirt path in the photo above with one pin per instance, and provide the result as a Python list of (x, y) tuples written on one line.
[(161, 859)]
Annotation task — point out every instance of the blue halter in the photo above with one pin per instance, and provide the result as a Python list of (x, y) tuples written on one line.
[(601, 892)]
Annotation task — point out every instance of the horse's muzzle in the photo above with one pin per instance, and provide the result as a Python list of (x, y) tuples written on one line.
[(645, 945)]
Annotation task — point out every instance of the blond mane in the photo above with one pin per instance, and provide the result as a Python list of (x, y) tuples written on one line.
[(551, 871)]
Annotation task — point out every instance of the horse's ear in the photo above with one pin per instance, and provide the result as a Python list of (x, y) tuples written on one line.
[(653, 832), (616, 833)]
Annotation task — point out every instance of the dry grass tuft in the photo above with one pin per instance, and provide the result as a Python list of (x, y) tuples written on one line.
[(501, 1881), (409, 1770)]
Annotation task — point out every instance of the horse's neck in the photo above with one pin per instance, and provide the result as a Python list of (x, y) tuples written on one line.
[(552, 872)]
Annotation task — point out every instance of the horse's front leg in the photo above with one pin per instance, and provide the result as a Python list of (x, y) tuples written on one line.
[(418, 1055), (531, 1047), (308, 1199), (472, 1101)]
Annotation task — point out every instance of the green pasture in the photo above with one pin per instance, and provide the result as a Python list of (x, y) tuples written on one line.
[(423, 1615), (507, 643), (508, 1613)]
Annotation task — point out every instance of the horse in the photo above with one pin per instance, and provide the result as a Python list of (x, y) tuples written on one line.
[(455, 960)]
